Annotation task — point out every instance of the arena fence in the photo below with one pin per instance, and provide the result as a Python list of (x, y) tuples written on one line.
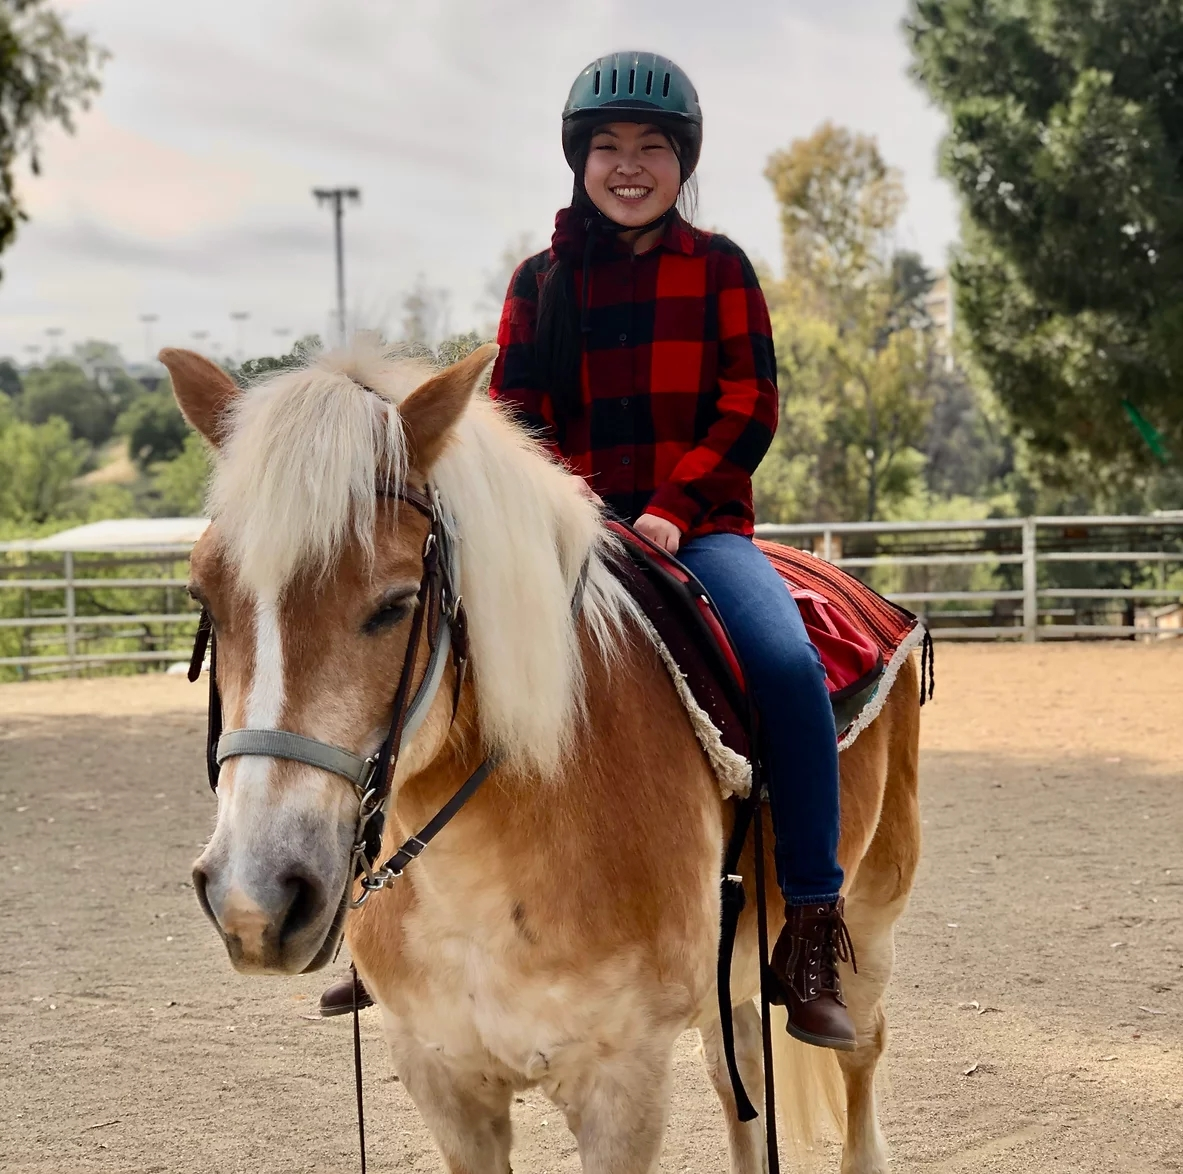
[(1034, 578), (1037, 578)]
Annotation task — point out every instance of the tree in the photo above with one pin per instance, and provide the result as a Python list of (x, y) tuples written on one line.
[(62, 389), (154, 427), (303, 349), (1066, 146), (10, 379), (38, 464), (181, 483), (47, 74), (425, 314), (852, 336)]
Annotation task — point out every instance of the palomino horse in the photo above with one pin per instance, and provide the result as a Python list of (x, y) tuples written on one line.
[(562, 930)]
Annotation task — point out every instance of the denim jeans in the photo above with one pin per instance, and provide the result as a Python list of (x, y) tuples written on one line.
[(787, 681)]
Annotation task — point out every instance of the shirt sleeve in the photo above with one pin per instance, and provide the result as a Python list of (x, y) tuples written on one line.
[(514, 382), (720, 468)]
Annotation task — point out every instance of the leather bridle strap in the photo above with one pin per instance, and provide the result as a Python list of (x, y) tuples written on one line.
[(295, 748)]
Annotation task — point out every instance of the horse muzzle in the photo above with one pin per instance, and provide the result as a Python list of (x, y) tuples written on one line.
[(280, 917)]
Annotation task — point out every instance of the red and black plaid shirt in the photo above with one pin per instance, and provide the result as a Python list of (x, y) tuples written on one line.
[(678, 379)]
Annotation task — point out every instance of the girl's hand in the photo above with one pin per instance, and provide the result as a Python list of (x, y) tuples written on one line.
[(659, 532)]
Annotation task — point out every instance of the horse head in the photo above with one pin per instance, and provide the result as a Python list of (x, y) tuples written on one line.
[(310, 572)]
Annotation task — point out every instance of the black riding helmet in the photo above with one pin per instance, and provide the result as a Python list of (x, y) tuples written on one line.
[(633, 87)]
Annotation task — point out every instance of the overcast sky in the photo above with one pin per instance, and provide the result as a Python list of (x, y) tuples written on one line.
[(186, 191)]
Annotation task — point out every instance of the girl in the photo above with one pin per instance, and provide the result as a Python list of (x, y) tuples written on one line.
[(640, 349)]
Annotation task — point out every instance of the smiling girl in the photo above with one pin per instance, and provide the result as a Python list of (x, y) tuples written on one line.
[(639, 348)]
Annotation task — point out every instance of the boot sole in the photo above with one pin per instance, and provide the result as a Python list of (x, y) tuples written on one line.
[(821, 1041), (330, 1012)]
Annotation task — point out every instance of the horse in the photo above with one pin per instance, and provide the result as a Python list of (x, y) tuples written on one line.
[(562, 930)]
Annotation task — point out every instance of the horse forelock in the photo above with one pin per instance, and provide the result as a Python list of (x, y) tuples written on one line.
[(297, 480)]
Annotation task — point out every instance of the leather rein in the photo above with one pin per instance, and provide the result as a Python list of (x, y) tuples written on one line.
[(439, 614)]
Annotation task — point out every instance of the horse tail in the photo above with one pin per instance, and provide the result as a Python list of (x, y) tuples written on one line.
[(810, 1093)]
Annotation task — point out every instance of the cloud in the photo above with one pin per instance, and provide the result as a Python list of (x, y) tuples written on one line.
[(187, 190)]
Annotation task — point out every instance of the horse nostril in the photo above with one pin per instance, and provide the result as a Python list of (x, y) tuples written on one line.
[(200, 883), (303, 907)]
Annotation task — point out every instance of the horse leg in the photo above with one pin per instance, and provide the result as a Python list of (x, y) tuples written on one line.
[(872, 929), (878, 894), (745, 1139), (467, 1113), (618, 1109)]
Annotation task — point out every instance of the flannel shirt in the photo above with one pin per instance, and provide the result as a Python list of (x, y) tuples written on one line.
[(678, 379)]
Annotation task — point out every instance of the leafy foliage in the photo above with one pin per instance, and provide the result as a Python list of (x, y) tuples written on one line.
[(47, 74), (1066, 146), (180, 483), (852, 336), (62, 389), (154, 427), (38, 464)]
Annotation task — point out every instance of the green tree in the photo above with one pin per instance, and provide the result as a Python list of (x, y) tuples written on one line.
[(10, 379), (852, 337), (181, 483), (47, 74), (62, 389), (154, 427), (38, 463), (1066, 146), (303, 350)]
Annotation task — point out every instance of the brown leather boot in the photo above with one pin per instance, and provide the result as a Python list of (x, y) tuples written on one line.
[(805, 965), (338, 999)]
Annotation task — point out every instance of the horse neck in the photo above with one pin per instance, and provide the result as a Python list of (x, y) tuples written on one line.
[(636, 777)]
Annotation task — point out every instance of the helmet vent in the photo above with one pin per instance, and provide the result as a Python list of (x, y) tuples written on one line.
[(632, 81), (614, 79), (596, 84), (649, 83), (665, 89)]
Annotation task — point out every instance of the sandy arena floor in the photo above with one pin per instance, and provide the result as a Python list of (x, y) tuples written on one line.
[(1037, 1008)]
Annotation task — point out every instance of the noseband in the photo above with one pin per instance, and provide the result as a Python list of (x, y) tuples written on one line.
[(439, 613)]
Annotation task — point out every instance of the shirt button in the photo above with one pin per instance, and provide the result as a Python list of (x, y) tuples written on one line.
[(626, 460), (624, 338), (624, 401)]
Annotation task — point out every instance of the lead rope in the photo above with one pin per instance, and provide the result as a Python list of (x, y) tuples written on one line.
[(361, 1114)]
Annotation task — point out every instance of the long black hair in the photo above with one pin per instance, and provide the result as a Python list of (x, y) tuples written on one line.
[(562, 312)]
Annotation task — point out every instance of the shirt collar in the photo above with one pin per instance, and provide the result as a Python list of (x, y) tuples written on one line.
[(678, 236)]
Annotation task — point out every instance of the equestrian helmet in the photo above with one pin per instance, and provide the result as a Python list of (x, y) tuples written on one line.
[(634, 87)]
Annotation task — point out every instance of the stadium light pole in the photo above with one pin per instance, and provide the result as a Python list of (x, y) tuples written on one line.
[(148, 320), (239, 317), (337, 198), (54, 333)]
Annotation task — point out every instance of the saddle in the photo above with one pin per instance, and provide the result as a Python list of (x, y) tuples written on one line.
[(857, 633)]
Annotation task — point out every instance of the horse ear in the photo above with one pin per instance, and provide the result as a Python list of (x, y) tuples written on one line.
[(430, 412), (204, 392)]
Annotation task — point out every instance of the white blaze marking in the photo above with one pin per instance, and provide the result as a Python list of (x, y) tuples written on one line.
[(251, 811), (265, 703)]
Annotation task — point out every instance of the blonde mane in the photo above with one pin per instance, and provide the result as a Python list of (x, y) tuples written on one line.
[(297, 478)]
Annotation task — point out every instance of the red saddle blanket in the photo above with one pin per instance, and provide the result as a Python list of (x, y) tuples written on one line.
[(861, 637)]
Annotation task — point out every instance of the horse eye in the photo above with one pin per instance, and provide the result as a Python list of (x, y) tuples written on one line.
[(387, 616)]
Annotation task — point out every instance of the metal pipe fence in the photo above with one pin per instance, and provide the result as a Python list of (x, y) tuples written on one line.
[(74, 611), (1035, 578)]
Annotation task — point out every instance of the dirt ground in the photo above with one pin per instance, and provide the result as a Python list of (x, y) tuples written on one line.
[(1036, 1011)]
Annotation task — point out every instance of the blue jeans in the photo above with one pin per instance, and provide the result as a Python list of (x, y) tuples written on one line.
[(788, 683)]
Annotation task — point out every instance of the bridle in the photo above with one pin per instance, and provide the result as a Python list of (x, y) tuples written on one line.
[(439, 614)]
